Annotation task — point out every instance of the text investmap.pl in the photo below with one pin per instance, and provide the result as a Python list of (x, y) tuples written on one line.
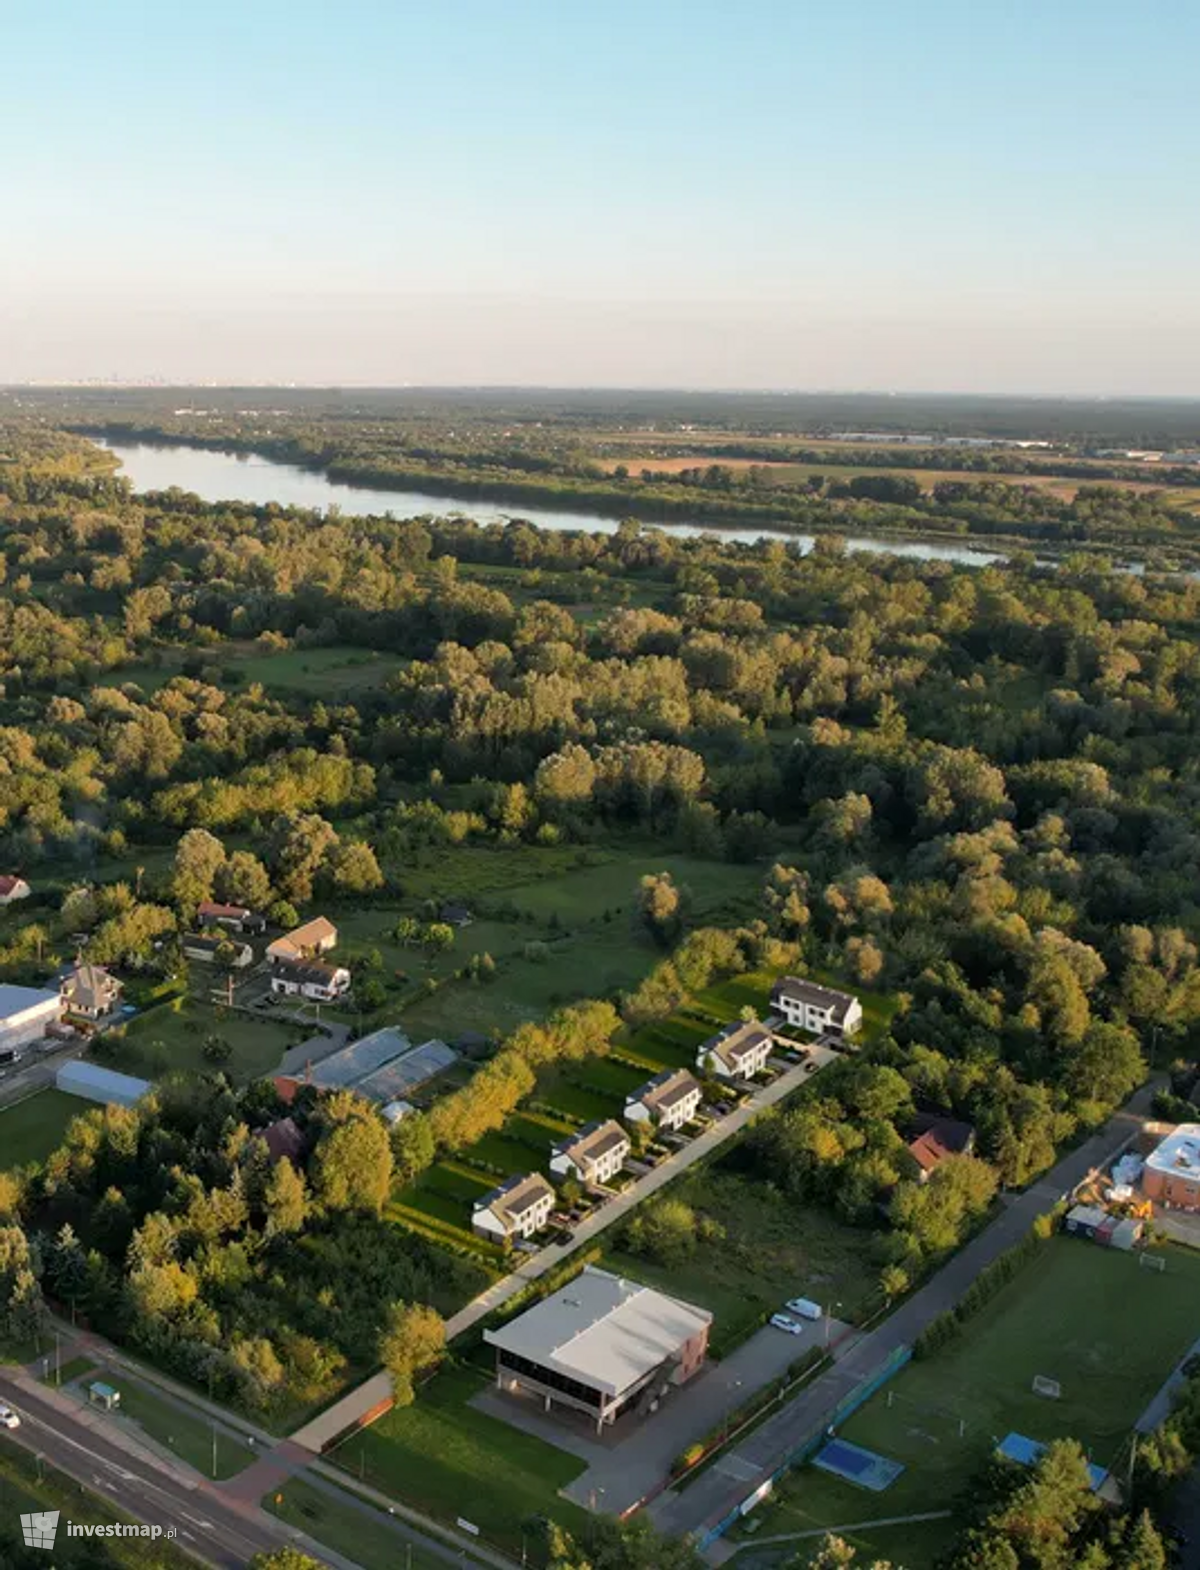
[(40, 1528)]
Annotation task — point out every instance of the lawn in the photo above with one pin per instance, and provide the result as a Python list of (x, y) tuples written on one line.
[(574, 906), (32, 1128), (74, 1369), (335, 672), (186, 1433), (1108, 1331), (443, 1457), (772, 1250), (180, 1032), (355, 1529)]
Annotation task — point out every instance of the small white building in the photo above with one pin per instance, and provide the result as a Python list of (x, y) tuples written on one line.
[(669, 1100), (740, 1051), (518, 1208), (309, 978), (811, 1007), (26, 1013), (90, 992), (595, 1155)]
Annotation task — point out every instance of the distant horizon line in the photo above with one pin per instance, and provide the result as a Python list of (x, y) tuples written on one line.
[(131, 384)]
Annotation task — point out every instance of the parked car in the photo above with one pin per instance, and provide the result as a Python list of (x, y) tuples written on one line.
[(8, 1418), (786, 1322), (809, 1065), (564, 1237), (805, 1307)]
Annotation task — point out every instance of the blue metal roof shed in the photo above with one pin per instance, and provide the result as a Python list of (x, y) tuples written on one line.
[(105, 1085)]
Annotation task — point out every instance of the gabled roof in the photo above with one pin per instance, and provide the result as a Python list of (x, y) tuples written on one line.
[(90, 981), (314, 971), (736, 1042), (313, 933), (665, 1090), (209, 907), (283, 1139), (593, 1141), (9, 883), (512, 1199), (931, 1139), (813, 992)]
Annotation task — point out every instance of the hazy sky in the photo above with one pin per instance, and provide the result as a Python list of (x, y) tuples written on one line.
[(985, 195)]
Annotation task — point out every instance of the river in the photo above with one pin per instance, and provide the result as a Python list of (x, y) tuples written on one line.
[(240, 477)]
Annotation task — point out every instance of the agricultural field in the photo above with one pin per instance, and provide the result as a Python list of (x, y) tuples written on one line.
[(442, 1456), (1108, 1331), (32, 1128)]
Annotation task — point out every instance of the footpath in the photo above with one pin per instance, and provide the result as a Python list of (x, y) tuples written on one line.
[(354, 1407)]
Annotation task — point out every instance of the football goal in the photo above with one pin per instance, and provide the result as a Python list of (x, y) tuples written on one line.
[(1152, 1261), (1044, 1386)]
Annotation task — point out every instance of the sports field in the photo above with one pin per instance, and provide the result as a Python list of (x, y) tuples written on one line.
[(1108, 1331)]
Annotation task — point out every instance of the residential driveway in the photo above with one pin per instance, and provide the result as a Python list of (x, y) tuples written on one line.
[(352, 1408), (634, 1457), (712, 1496)]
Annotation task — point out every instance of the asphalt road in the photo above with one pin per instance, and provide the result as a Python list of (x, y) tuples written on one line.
[(208, 1526), (719, 1489)]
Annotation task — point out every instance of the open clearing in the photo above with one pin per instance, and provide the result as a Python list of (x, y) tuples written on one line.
[(1089, 1317), (444, 1457), (32, 1128)]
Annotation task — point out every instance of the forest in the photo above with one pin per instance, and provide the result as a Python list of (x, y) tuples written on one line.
[(975, 790)]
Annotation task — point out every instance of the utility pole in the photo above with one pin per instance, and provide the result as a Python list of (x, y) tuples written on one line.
[(57, 1356)]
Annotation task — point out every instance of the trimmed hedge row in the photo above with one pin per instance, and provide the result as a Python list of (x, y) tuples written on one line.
[(948, 1324)]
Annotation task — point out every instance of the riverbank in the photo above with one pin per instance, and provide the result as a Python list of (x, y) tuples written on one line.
[(258, 473)]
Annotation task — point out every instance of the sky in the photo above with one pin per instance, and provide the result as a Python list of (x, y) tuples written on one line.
[(975, 195)]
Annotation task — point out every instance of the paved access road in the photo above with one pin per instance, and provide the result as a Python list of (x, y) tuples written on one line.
[(352, 1408), (208, 1526), (717, 1491)]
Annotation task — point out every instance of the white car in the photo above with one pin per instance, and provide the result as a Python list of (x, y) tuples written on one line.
[(785, 1322), (8, 1418)]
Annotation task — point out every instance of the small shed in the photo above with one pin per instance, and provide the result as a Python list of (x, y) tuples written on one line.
[(100, 1394), (1126, 1233), (1104, 1232), (1084, 1220), (104, 1085)]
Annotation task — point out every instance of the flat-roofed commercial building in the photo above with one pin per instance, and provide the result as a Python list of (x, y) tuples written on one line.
[(1171, 1175), (26, 1013), (602, 1345)]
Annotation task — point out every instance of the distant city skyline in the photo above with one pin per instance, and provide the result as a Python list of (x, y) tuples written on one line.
[(928, 198)]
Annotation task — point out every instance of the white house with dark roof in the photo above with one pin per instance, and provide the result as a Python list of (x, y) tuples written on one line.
[(518, 1208), (739, 1051), (309, 978), (594, 1155), (669, 1100), (811, 1007)]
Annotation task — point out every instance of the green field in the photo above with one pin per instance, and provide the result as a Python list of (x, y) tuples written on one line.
[(772, 1250), (1109, 1332), (170, 1037), (355, 1529), (575, 904), (334, 672), (186, 1433), (443, 1457), (32, 1128)]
